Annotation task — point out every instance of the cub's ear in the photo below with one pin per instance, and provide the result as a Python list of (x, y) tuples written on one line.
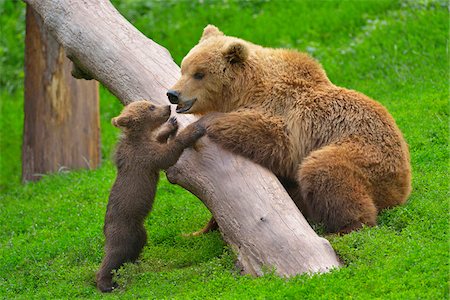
[(119, 121), (209, 31), (236, 53)]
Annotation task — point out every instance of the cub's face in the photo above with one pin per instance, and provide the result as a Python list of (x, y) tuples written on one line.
[(207, 73), (142, 115)]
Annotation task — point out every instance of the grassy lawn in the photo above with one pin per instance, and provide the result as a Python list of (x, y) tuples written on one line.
[(51, 240)]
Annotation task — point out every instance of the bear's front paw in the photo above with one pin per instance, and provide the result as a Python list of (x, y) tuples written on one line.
[(191, 134)]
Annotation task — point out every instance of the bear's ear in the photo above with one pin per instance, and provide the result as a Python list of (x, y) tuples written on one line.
[(236, 53), (120, 121), (209, 31)]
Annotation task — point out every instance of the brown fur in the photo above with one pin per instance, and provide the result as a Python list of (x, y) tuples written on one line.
[(339, 153), (141, 153)]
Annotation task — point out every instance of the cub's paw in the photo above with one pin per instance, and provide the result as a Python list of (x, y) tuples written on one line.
[(199, 130), (173, 126), (173, 121)]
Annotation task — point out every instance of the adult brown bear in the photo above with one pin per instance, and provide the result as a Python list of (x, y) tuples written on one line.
[(339, 153)]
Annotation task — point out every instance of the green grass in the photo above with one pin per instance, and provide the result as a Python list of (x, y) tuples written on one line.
[(394, 51)]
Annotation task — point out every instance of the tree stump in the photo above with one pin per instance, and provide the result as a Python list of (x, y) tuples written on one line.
[(61, 129)]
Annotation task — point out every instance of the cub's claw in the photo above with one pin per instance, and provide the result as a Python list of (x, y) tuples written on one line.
[(200, 130), (173, 121)]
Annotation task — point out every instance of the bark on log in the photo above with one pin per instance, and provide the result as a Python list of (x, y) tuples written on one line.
[(58, 109), (255, 214)]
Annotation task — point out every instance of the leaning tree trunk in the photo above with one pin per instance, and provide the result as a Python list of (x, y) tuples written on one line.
[(253, 211), (62, 125)]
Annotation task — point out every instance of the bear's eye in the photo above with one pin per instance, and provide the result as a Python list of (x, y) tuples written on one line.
[(199, 75), (151, 107)]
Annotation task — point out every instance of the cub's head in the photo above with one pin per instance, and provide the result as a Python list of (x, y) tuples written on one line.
[(209, 73), (141, 115)]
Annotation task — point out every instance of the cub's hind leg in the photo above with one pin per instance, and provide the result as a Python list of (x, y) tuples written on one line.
[(336, 189), (124, 242)]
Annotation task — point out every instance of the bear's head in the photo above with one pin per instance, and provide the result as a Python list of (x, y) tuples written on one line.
[(141, 115), (210, 72)]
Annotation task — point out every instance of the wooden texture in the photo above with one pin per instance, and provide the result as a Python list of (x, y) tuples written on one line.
[(61, 129), (255, 214)]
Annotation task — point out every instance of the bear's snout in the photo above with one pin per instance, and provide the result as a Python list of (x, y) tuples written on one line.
[(173, 96)]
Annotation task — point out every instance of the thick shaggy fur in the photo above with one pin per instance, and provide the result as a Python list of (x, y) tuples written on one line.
[(141, 153), (339, 153)]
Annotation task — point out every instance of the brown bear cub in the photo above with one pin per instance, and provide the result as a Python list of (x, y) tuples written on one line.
[(339, 153), (142, 152)]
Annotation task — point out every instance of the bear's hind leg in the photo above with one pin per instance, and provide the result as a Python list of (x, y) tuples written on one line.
[(210, 226), (293, 189), (336, 190)]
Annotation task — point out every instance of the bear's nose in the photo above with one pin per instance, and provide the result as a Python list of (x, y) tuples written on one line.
[(173, 96)]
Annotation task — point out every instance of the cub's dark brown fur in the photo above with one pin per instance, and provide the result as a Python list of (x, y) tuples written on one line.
[(141, 153)]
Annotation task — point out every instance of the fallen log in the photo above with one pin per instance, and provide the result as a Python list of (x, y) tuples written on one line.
[(254, 213)]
